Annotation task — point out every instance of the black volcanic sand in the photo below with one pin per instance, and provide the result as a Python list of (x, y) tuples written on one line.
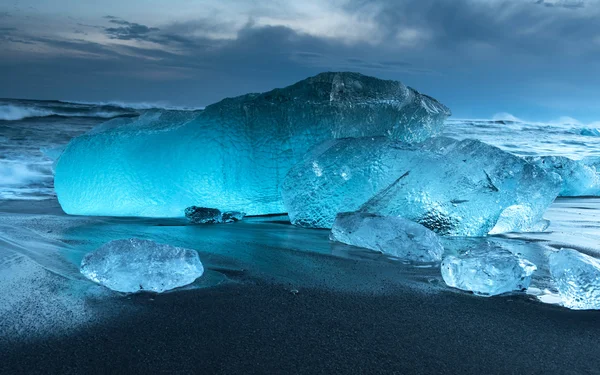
[(275, 299), (262, 328)]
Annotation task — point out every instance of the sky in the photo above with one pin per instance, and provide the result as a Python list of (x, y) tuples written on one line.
[(535, 59)]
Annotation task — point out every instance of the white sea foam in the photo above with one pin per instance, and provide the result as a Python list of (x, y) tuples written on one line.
[(16, 174), (16, 113), (138, 105)]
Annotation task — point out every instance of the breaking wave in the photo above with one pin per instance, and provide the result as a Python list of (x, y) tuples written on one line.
[(17, 112)]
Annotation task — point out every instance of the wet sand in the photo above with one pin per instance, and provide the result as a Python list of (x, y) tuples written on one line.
[(266, 329)]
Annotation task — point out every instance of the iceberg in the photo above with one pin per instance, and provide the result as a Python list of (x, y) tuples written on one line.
[(390, 235), (234, 153), (579, 178), (487, 272), (136, 265), (451, 187), (577, 278), (204, 215)]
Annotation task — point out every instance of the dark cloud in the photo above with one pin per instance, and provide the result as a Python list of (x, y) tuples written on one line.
[(128, 30), (562, 4), (479, 57)]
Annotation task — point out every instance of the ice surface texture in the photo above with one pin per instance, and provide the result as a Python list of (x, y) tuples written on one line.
[(204, 215), (577, 278), (518, 217), (136, 265), (452, 187), (391, 235), (234, 153), (488, 272), (580, 177)]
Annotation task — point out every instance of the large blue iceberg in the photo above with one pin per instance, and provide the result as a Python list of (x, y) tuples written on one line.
[(233, 154), (452, 187)]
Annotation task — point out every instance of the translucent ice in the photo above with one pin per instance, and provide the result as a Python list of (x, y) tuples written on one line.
[(518, 217), (233, 153), (391, 235), (136, 265), (204, 215), (451, 187), (487, 272), (577, 278), (580, 177)]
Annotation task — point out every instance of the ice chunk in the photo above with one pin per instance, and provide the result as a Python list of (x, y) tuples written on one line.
[(451, 187), (592, 162), (579, 178), (518, 217), (136, 265), (577, 278), (232, 216), (391, 235), (488, 272), (233, 153), (204, 215)]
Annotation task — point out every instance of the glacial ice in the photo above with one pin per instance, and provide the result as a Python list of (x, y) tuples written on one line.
[(451, 187), (390, 235), (579, 177), (487, 272), (577, 278), (518, 217), (232, 216), (204, 215), (233, 153), (136, 265)]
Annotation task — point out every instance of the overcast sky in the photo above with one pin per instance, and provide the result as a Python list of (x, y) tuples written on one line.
[(536, 59)]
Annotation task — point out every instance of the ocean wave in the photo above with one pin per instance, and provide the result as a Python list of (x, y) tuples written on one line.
[(10, 112), (590, 132), (15, 113), (16, 110), (136, 105), (18, 174)]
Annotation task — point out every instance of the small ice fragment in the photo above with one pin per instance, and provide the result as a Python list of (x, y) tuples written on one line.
[(136, 265), (205, 215), (231, 216), (488, 273), (391, 235), (577, 278)]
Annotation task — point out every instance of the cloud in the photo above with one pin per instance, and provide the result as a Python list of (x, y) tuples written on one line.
[(569, 4), (467, 53), (128, 30)]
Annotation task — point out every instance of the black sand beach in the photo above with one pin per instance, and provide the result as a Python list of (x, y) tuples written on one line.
[(276, 299), (266, 329)]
